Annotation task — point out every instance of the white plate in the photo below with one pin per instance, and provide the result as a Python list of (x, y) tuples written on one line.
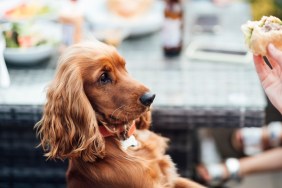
[(218, 49), (26, 56), (98, 14)]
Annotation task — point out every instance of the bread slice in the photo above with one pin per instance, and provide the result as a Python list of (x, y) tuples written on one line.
[(258, 34)]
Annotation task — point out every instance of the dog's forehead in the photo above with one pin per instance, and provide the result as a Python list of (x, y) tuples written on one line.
[(114, 59), (96, 57), (105, 61)]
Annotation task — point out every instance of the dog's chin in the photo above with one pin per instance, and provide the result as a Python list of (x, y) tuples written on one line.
[(122, 119), (114, 121), (111, 120)]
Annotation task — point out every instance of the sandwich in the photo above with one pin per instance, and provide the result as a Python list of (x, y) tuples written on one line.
[(129, 8), (258, 34)]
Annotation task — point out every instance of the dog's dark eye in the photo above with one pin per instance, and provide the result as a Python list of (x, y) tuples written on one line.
[(105, 78)]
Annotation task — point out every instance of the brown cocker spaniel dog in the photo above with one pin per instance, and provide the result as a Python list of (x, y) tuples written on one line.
[(97, 116)]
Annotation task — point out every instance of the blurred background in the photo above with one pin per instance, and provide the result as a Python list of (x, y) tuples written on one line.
[(191, 53)]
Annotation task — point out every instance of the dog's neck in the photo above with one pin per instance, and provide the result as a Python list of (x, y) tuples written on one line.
[(121, 131)]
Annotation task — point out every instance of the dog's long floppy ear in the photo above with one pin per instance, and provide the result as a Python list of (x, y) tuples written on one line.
[(144, 121), (68, 128)]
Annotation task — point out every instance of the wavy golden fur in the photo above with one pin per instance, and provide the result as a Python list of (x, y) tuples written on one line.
[(92, 88)]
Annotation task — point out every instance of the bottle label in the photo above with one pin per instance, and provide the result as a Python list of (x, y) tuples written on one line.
[(68, 32), (171, 32)]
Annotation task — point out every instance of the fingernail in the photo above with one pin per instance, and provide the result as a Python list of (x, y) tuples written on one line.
[(271, 46)]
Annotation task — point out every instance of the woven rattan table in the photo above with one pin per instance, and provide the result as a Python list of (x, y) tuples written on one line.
[(189, 94)]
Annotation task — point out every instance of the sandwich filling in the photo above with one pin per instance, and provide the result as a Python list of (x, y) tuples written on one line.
[(266, 24), (271, 24)]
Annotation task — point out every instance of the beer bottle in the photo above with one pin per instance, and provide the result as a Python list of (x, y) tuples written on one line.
[(173, 27), (71, 18)]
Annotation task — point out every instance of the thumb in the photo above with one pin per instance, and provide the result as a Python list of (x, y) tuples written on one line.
[(275, 54)]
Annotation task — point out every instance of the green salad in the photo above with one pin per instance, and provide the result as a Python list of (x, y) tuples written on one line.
[(24, 36)]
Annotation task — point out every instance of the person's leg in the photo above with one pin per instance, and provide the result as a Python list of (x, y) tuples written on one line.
[(252, 141), (234, 169), (271, 113)]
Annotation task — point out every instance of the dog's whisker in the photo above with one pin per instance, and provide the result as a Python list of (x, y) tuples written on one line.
[(121, 110), (116, 110), (126, 117)]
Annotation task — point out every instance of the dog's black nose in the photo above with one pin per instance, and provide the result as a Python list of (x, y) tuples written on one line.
[(147, 98)]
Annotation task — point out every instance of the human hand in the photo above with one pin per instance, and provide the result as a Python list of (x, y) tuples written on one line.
[(215, 174), (271, 78)]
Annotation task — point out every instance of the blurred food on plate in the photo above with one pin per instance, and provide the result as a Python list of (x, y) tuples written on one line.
[(29, 10), (25, 35), (102, 14), (129, 8), (30, 42)]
